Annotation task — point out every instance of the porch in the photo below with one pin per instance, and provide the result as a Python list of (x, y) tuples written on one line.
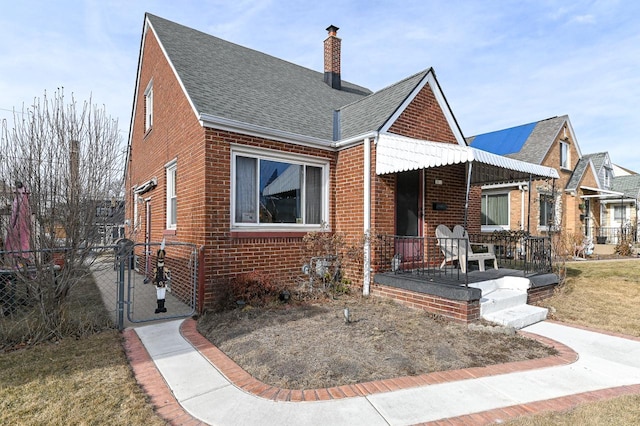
[(408, 271)]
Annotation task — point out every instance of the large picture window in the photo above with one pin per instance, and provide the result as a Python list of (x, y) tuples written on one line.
[(495, 210), (272, 190)]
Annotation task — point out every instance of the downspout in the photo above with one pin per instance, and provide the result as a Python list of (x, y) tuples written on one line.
[(466, 214), (529, 209), (521, 187), (466, 197), (366, 266)]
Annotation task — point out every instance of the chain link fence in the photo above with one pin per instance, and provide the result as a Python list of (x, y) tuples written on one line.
[(51, 293)]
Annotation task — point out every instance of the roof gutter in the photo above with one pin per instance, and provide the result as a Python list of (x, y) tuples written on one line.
[(355, 140), (208, 120), (603, 191)]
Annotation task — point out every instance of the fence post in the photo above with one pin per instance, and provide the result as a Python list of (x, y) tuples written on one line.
[(120, 298), (124, 251)]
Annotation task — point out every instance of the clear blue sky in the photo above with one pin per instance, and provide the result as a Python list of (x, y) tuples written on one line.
[(500, 63)]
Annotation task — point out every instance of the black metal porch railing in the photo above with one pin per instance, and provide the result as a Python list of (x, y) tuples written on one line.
[(613, 234), (433, 257), (518, 250)]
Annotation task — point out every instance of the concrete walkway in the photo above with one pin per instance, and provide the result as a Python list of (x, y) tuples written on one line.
[(192, 382)]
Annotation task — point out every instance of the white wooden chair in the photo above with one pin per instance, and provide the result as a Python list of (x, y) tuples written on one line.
[(455, 246)]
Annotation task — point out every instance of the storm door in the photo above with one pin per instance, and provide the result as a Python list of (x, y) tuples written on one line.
[(409, 189)]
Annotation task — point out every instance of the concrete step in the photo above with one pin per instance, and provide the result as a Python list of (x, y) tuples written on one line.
[(500, 299), (518, 316)]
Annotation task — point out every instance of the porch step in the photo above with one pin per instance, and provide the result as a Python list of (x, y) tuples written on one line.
[(501, 299), (504, 302), (518, 317)]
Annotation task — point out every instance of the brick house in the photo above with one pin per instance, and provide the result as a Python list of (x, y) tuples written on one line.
[(513, 206), (243, 154), (586, 202), (611, 207)]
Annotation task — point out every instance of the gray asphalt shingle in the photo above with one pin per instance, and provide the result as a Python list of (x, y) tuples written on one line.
[(226, 80)]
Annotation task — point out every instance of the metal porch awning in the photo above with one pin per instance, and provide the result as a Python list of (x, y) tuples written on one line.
[(601, 193), (396, 154)]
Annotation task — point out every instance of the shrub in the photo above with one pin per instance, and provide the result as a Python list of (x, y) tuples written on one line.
[(255, 288), (623, 248)]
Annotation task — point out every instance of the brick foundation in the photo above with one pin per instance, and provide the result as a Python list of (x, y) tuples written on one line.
[(463, 311)]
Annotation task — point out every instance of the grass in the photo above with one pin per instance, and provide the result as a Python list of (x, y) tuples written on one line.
[(75, 381), (83, 378), (602, 295)]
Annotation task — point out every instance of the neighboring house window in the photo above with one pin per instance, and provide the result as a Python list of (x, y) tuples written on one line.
[(565, 161), (148, 107), (272, 189), (619, 213), (608, 176), (546, 210), (172, 198), (495, 210)]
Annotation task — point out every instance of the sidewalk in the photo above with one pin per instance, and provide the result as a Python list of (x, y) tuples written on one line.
[(206, 387)]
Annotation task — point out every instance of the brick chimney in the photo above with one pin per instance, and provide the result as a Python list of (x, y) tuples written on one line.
[(332, 58)]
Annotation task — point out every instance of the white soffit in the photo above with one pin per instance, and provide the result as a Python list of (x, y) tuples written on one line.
[(396, 154)]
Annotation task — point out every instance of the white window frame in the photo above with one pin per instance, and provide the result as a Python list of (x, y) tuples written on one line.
[(136, 219), (491, 228), (148, 107), (272, 155), (172, 193), (608, 176), (621, 218), (565, 155)]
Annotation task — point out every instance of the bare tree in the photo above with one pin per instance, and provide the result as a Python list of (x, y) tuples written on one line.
[(68, 157)]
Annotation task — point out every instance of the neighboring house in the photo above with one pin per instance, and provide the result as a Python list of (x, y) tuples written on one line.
[(610, 207), (108, 221), (622, 211), (594, 196), (551, 143), (243, 154)]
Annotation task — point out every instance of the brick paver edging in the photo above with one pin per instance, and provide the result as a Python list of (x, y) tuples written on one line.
[(167, 406), (153, 384), (245, 381)]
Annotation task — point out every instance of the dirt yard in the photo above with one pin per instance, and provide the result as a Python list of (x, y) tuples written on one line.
[(307, 346)]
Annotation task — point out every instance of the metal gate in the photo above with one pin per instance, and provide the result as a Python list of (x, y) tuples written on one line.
[(138, 298)]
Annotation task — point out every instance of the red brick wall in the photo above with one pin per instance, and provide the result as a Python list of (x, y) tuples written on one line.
[(228, 253), (176, 134), (424, 119), (535, 295), (459, 311)]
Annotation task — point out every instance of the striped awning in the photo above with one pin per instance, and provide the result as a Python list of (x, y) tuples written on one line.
[(396, 154)]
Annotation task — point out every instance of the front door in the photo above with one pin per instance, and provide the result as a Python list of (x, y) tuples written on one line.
[(409, 215)]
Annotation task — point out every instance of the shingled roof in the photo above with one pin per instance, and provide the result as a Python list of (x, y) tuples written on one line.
[(629, 185), (229, 81), (537, 138), (598, 160), (232, 82)]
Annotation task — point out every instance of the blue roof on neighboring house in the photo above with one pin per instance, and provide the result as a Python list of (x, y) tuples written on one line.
[(502, 142)]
